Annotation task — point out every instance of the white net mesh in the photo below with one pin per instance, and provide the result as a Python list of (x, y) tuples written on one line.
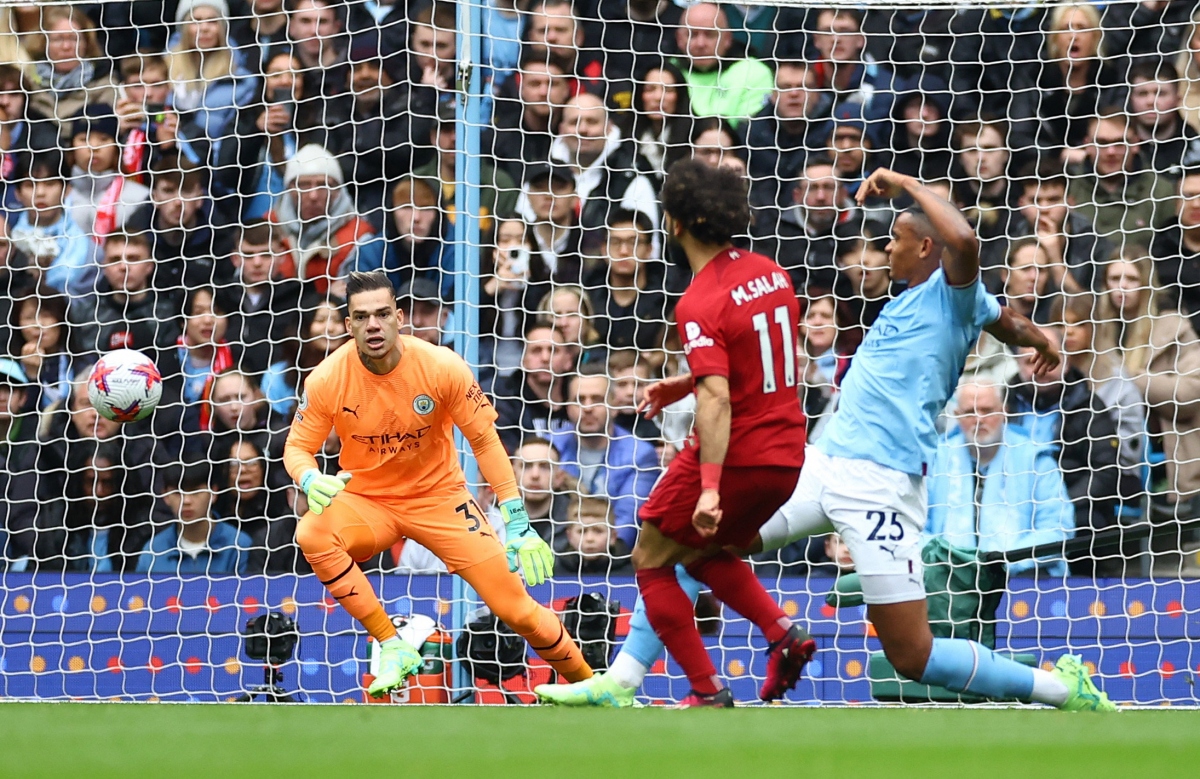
[(195, 179)]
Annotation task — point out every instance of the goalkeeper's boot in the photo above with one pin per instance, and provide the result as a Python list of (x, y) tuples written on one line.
[(1083, 695), (722, 699), (786, 658), (601, 690), (397, 661)]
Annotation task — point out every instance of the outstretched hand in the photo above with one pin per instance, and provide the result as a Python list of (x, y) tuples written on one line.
[(883, 183), (663, 393)]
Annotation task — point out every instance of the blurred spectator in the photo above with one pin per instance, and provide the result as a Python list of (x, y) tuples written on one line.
[(1074, 82), (553, 212), (722, 80), (605, 459), (264, 307), (605, 165), (40, 322), (589, 545), (1059, 411), (431, 47), (794, 122), (178, 220), (982, 153), (240, 413), (544, 486), (497, 191), (912, 41), (74, 72), (629, 370), (569, 310), (817, 332), (1161, 353), (1176, 252), (850, 74), (318, 216), (125, 312), (108, 517), (514, 282), (22, 130), (415, 233), (1154, 29), (804, 236), (1168, 141), (993, 488), (261, 512), (203, 354), (501, 25), (1187, 65), (555, 33), (249, 170), (319, 42), (209, 77), (864, 286), (631, 310), (995, 60), (18, 464), (59, 254), (1112, 386), (530, 401), (767, 32), (322, 331), (662, 117), (199, 543), (920, 139), (1073, 250), (1125, 202), (851, 148), (715, 142), (100, 199), (425, 313), (261, 33), (523, 127), (146, 129), (636, 35), (1027, 282)]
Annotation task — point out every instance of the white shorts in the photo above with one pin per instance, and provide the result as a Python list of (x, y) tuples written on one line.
[(879, 512)]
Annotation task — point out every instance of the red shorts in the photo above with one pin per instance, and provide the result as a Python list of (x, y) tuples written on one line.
[(749, 497)]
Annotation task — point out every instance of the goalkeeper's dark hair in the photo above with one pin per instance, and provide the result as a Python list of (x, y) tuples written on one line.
[(367, 281), (712, 204)]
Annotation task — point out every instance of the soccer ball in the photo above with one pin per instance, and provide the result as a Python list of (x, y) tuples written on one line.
[(125, 386)]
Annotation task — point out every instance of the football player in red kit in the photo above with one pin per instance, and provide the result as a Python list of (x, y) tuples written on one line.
[(737, 322)]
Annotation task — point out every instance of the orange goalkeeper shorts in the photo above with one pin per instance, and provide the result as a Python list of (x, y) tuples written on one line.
[(454, 529)]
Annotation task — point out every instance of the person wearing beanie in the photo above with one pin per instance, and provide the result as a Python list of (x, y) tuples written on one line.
[(210, 80), (319, 218), (99, 199)]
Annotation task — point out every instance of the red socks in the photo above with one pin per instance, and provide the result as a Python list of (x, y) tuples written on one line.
[(733, 582), (672, 616)]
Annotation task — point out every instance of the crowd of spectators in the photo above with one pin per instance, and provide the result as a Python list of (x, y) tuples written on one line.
[(195, 178)]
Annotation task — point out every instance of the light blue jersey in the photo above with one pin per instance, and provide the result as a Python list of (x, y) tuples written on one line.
[(906, 369)]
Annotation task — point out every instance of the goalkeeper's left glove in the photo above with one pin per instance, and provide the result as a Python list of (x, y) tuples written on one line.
[(524, 547)]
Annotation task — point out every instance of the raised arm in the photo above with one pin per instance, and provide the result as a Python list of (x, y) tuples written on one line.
[(1016, 330), (960, 258)]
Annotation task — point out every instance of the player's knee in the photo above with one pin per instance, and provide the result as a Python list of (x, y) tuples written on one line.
[(909, 660), (312, 535)]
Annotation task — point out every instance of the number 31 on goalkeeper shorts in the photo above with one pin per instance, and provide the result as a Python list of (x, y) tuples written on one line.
[(887, 527)]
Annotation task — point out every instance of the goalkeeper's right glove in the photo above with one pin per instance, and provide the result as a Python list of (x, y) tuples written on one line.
[(321, 489)]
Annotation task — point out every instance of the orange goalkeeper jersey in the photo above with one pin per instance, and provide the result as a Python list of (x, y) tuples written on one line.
[(397, 430)]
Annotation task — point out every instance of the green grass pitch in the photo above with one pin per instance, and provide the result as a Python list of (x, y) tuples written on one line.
[(370, 742)]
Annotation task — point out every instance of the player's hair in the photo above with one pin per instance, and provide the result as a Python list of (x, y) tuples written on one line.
[(711, 203), (367, 281), (922, 224)]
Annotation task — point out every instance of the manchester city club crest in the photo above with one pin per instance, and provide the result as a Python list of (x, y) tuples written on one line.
[(423, 404)]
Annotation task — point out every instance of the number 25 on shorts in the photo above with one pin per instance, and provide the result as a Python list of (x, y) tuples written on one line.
[(887, 527)]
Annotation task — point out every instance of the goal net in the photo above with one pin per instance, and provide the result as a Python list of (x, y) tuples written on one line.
[(196, 179)]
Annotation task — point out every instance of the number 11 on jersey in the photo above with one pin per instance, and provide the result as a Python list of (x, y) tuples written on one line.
[(763, 328)]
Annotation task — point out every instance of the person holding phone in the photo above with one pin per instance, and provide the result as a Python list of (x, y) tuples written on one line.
[(516, 280)]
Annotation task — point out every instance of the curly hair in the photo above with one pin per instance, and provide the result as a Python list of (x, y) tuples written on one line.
[(711, 203)]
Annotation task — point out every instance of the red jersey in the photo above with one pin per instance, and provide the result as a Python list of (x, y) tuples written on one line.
[(738, 319)]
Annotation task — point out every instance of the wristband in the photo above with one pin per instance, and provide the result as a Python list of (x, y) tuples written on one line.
[(710, 476)]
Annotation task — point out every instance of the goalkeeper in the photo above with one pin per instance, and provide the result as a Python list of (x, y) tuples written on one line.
[(394, 401)]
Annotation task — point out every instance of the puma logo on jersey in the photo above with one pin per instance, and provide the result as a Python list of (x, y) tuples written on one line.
[(349, 410)]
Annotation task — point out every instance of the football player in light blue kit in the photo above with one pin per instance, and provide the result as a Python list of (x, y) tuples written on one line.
[(865, 476)]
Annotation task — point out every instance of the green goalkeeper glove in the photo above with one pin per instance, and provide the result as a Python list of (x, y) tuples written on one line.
[(321, 489), (524, 547)]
